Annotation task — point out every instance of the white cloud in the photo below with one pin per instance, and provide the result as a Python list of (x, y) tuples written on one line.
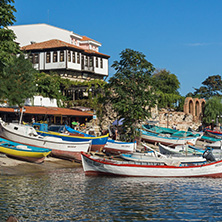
[(203, 44)]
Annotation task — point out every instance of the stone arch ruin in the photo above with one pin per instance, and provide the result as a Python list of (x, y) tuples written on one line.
[(194, 106)]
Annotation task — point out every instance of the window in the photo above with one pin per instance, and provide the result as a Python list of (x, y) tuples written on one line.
[(55, 57), (97, 63), (48, 57), (73, 57), (101, 63), (78, 57), (69, 56), (90, 62), (36, 59), (61, 56), (31, 58), (86, 61)]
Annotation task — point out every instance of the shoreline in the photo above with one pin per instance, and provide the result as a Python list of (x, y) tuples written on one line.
[(10, 166), (14, 167)]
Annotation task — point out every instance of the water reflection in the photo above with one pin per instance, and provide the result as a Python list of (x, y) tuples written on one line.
[(68, 195)]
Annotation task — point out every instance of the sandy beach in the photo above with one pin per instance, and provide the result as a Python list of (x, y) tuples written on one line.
[(9, 166)]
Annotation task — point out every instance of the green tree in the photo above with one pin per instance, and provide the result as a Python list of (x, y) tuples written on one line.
[(212, 86), (166, 85), (130, 90), (17, 81), (8, 47), (166, 82), (212, 110), (51, 85)]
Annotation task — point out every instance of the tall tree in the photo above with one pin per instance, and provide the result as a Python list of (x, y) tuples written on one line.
[(17, 81), (212, 86), (8, 47), (166, 82), (213, 110), (130, 90), (166, 85), (16, 72)]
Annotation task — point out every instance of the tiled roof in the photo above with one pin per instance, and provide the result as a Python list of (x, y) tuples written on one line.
[(49, 111), (55, 43), (85, 38), (94, 52)]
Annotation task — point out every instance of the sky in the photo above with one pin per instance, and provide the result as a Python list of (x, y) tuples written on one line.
[(181, 36)]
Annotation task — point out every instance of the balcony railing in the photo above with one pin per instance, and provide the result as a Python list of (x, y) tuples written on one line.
[(87, 68)]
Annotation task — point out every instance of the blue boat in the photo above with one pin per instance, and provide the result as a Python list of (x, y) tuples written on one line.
[(69, 134), (166, 140), (23, 152)]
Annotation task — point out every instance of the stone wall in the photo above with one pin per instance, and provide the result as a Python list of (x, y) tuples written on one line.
[(182, 120), (164, 118)]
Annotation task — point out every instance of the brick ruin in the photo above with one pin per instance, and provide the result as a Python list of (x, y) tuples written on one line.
[(190, 117)]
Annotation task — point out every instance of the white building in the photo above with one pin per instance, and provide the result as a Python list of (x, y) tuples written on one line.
[(41, 101), (64, 52)]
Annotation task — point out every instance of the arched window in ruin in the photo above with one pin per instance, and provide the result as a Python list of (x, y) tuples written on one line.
[(191, 107), (197, 108), (194, 106)]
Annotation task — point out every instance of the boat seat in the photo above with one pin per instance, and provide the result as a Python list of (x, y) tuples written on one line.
[(23, 147)]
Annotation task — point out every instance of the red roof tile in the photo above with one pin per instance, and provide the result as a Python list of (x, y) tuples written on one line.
[(85, 38), (55, 43), (49, 110)]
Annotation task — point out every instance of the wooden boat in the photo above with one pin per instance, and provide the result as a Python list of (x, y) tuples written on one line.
[(97, 142), (155, 156), (22, 152), (214, 133), (184, 149), (216, 149), (171, 141), (173, 132), (117, 147), (27, 135), (209, 139), (111, 146), (215, 145), (95, 165)]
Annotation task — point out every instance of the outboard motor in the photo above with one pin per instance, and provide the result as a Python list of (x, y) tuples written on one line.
[(208, 155)]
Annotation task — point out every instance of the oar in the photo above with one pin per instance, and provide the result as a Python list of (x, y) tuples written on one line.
[(156, 152)]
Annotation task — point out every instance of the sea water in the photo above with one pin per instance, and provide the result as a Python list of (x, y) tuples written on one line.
[(68, 195)]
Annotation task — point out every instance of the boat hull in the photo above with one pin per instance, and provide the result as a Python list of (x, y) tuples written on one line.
[(152, 138), (60, 148), (214, 134), (21, 152), (100, 166), (117, 147), (96, 145), (182, 150), (27, 159), (152, 157)]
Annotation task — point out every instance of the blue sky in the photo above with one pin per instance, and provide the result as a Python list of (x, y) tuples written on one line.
[(182, 36)]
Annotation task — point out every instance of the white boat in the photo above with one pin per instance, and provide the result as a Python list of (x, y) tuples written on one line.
[(26, 134), (184, 149), (169, 141), (155, 156), (215, 145), (117, 147), (95, 165)]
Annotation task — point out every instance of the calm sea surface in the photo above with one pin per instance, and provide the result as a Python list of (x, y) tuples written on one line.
[(69, 195)]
